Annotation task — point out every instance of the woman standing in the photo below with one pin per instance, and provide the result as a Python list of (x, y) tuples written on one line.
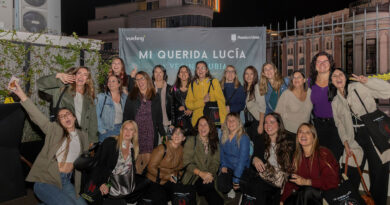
[(255, 104), (164, 166), (232, 90), (116, 156), (274, 158), (234, 148), (353, 132), (204, 88), (315, 170), (109, 109), (118, 68), (53, 168), (143, 105), (76, 92), (201, 156), (181, 115), (295, 105), (320, 67), (163, 89), (271, 85)]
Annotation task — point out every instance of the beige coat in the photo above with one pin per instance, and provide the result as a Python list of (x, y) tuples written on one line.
[(45, 168), (368, 92), (257, 105)]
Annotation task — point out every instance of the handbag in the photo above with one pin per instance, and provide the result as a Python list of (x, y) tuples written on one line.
[(378, 125), (121, 185), (345, 193), (86, 161), (211, 110), (249, 119), (247, 186), (224, 181), (273, 176)]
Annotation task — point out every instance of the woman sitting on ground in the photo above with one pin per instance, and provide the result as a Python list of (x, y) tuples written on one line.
[(53, 168)]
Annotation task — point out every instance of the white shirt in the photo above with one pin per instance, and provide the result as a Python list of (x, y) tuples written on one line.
[(74, 149), (78, 106)]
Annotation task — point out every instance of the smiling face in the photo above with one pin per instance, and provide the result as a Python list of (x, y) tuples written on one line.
[(158, 74), (249, 76), (271, 126), (177, 137), (128, 132), (117, 66), (201, 71), (269, 71), (113, 83), (305, 137), (230, 74), (67, 119), (232, 124), (338, 79), (203, 128), (183, 74), (82, 77), (322, 64), (142, 83), (298, 80)]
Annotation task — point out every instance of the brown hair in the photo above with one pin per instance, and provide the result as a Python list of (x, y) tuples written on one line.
[(263, 84), (299, 154), (89, 88), (134, 139), (106, 89), (122, 75), (213, 134), (150, 92), (291, 84), (252, 86), (225, 130), (236, 81)]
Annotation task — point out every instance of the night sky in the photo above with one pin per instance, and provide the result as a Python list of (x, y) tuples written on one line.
[(234, 13)]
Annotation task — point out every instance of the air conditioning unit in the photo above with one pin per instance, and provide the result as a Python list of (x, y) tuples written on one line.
[(6, 15), (40, 16)]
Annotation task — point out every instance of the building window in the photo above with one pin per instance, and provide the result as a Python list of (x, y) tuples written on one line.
[(302, 61), (316, 47), (111, 31), (107, 46), (371, 56), (181, 21), (300, 49), (290, 62), (152, 5)]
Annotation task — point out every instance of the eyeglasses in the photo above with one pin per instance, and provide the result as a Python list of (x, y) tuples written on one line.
[(61, 117), (322, 62), (140, 79), (230, 71)]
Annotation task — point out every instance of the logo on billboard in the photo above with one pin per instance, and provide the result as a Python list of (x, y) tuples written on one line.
[(136, 38), (233, 37)]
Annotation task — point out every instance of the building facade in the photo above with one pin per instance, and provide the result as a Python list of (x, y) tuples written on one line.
[(149, 14)]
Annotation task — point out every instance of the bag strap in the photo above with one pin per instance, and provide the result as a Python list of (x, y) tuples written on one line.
[(361, 100), (211, 84), (361, 175), (55, 110), (158, 179), (104, 102), (230, 98)]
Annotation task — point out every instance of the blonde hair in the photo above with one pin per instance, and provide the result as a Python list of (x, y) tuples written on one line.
[(236, 81), (89, 88), (263, 83), (298, 154), (225, 130), (134, 139)]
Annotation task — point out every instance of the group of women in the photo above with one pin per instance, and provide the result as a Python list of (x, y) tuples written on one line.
[(275, 155)]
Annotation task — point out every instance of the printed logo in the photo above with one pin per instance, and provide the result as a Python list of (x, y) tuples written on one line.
[(136, 38), (233, 37)]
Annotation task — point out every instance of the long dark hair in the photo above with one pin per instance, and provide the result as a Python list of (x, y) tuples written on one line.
[(122, 76), (66, 134), (178, 81), (208, 74), (284, 147), (213, 134), (165, 77), (332, 92), (252, 86), (313, 71)]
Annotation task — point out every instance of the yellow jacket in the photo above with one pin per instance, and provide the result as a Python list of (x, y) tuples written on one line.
[(195, 95)]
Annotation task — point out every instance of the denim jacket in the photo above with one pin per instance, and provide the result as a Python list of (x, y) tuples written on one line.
[(235, 157), (269, 91), (107, 117)]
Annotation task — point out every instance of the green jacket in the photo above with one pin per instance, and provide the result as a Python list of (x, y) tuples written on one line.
[(53, 86), (45, 168), (197, 158)]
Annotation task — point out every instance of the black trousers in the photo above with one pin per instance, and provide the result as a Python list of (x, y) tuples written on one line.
[(209, 192), (306, 195), (251, 129), (329, 136), (159, 194), (378, 172)]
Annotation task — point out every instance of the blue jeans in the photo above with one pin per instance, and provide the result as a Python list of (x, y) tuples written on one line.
[(109, 133), (52, 195)]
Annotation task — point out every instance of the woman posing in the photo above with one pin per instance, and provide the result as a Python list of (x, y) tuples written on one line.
[(272, 159), (232, 90), (76, 92), (53, 168), (201, 156), (204, 88), (181, 115), (109, 109), (164, 166), (271, 85), (118, 68), (353, 132), (320, 67), (295, 105), (163, 89), (255, 104), (234, 148), (315, 170), (143, 105)]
